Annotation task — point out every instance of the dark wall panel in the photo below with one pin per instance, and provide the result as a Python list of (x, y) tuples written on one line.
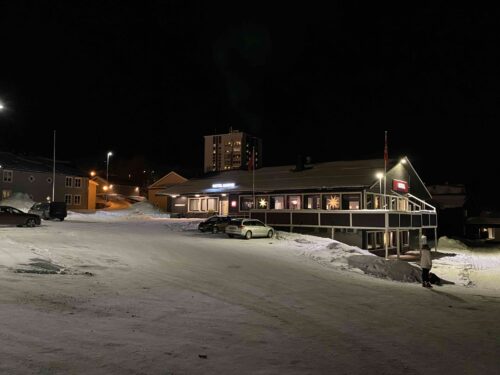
[(337, 220), (278, 218), (305, 218), (368, 220)]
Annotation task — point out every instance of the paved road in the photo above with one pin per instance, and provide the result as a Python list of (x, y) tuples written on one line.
[(166, 301)]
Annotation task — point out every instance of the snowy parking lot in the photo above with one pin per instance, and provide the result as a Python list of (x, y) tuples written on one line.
[(134, 292)]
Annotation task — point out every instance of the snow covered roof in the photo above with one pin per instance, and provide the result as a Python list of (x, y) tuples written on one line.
[(337, 174), (35, 164)]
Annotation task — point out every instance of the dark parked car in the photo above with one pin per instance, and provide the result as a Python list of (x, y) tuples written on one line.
[(215, 224), (52, 210), (13, 216)]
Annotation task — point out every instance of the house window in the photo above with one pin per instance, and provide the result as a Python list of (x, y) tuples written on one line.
[(67, 198), (278, 202), (262, 202), (351, 201), (194, 204), (312, 202), (212, 204), (77, 200), (331, 201), (69, 182), (203, 204), (8, 175), (246, 203), (294, 202), (78, 182), (6, 193)]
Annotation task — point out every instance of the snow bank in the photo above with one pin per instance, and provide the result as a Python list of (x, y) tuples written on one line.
[(449, 243), (340, 255), (21, 201), (388, 269)]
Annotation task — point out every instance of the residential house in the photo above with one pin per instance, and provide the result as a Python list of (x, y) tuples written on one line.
[(34, 176), (164, 201)]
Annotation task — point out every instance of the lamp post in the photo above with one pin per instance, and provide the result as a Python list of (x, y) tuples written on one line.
[(107, 166), (107, 172)]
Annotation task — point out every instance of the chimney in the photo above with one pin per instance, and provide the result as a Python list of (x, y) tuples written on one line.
[(300, 164)]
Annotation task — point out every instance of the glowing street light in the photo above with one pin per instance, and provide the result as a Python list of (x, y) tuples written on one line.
[(1, 106), (107, 166), (92, 173)]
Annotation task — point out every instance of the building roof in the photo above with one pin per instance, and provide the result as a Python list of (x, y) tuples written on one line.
[(36, 164), (330, 175)]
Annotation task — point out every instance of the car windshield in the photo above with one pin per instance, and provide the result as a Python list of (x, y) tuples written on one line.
[(235, 222)]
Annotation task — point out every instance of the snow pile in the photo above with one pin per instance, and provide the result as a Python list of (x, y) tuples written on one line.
[(137, 211), (388, 269), (21, 201), (449, 243)]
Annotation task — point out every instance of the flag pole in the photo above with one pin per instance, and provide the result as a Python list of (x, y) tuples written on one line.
[(386, 156), (54, 170), (253, 176)]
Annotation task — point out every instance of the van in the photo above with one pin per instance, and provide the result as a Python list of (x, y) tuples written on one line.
[(52, 210)]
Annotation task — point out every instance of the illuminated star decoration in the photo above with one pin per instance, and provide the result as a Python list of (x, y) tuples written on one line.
[(262, 203), (333, 201)]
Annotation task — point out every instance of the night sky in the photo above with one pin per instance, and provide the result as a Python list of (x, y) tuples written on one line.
[(148, 79)]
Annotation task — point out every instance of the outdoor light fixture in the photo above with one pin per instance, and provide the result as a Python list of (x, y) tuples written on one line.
[(111, 186), (197, 195), (1, 106), (105, 188), (403, 160), (233, 203), (223, 195), (174, 195), (136, 189), (92, 173)]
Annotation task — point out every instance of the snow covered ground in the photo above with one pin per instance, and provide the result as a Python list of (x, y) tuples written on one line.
[(135, 292)]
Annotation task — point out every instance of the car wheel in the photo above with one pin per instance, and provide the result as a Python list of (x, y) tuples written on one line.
[(62, 219), (270, 234), (230, 235), (215, 230), (248, 235), (30, 223)]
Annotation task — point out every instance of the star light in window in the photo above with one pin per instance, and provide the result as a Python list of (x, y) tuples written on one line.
[(333, 202), (263, 203)]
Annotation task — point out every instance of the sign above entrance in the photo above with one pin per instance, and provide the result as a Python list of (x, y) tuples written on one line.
[(225, 185), (398, 185)]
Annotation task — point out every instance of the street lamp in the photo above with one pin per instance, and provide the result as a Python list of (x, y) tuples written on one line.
[(107, 166)]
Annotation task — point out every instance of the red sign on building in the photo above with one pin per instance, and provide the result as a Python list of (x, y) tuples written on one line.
[(398, 185)]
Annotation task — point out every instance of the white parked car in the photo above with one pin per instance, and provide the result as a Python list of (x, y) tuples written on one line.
[(248, 228)]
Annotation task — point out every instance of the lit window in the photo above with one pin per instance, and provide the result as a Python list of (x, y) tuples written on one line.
[(8, 175), (69, 182)]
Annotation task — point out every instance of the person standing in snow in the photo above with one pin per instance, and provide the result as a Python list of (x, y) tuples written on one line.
[(426, 264)]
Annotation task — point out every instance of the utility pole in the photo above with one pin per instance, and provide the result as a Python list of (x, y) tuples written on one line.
[(54, 170)]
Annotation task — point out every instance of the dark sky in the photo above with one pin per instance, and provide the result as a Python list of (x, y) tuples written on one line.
[(150, 78)]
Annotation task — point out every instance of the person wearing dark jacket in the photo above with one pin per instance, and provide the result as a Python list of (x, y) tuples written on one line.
[(426, 264)]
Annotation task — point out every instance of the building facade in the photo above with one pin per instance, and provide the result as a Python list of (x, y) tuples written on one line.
[(164, 201), (344, 200), (224, 152), (33, 176)]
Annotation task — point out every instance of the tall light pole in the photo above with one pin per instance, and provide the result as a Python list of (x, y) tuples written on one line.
[(107, 166)]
